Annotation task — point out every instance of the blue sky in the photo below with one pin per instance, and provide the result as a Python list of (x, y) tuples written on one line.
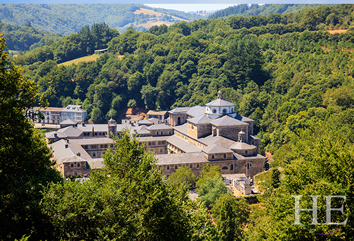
[(182, 5)]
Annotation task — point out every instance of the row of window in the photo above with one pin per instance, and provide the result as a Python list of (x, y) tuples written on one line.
[(158, 143), (96, 133), (176, 166), (212, 156), (96, 146)]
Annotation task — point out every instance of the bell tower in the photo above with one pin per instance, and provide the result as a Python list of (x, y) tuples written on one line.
[(111, 128)]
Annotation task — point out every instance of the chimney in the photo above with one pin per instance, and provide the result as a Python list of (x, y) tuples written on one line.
[(78, 154)]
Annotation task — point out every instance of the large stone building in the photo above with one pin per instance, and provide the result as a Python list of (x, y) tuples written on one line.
[(54, 115), (214, 134)]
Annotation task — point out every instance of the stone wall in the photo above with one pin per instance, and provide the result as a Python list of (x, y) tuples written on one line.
[(231, 131), (174, 118), (75, 169)]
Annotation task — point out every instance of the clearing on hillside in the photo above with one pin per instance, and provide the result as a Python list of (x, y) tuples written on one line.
[(337, 31), (82, 59), (150, 24), (157, 14)]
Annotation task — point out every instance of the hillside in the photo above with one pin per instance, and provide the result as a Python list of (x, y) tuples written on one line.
[(25, 37), (255, 9), (66, 19)]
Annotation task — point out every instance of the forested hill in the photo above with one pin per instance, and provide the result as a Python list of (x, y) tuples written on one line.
[(271, 67), (67, 19), (25, 37), (255, 9)]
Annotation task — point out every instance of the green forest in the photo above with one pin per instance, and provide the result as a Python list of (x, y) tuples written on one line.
[(286, 71), (246, 10), (70, 18)]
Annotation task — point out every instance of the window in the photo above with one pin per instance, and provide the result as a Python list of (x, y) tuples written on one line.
[(93, 154), (232, 109), (214, 111), (176, 167), (197, 165), (161, 150), (246, 152), (231, 167), (224, 111), (212, 156), (101, 146), (157, 132), (105, 146), (224, 156), (159, 143), (191, 166), (72, 165), (75, 173), (168, 167), (78, 164), (225, 168), (91, 146)]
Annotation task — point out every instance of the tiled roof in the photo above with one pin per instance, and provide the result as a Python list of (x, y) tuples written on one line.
[(159, 127), (51, 134), (227, 121), (97, 127), (92, 141), (181, 158), (202, 119), (242, 146), (154, 112), (96, 163), (71, 131), (146, 122), (180, 110), (220, 102), (73, 108), (73, 158), (196, 111), (68, 122), (183, 144), (215, 149)]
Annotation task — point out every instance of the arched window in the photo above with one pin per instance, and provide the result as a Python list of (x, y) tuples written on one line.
[(231, 167), (168, 167), (191, 166), (225, 168), (179, 120), (214, 111), (224, 111), (212, 156), (224, 156)]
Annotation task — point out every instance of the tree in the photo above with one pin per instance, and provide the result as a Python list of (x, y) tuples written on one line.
[(25, 164), (182, 176), (230, 215), (127, 200), (210, 191), (275, 178), (208, 171)]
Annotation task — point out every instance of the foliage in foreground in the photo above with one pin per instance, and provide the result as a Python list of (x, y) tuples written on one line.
[(128, 200), (25, 165), (182, 176)]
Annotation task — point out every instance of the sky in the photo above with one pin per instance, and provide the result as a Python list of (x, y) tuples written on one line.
[(184, 5)]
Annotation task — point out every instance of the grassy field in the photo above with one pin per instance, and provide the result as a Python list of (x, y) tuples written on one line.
[(150, 24), (82, 59), (152, 12), (13, 53), (337, 31)]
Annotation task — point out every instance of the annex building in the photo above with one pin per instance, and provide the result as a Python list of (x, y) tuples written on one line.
[(193, 136)]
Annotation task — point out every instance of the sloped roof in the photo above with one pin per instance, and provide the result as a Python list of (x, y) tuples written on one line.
[(145, 122), (73, 158), (227, 121), (220, 102), (51, 134), (181, 158), (196, 111), (159, 127), (180, 110), (183, 144), (97, 127), (215, 149), (68, 122), (202, 119), (96, 163), (154, 112), (242, 146), (71, 131)]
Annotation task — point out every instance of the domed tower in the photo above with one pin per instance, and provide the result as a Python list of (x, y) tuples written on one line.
[(220, 107), (111, 128)]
